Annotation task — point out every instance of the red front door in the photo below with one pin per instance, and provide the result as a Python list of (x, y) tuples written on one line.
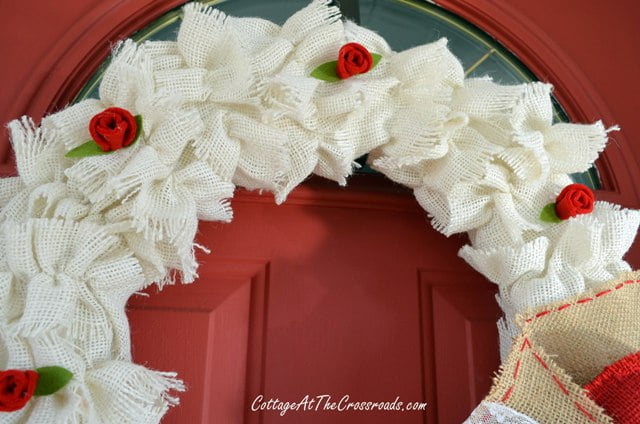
[(337, 292)]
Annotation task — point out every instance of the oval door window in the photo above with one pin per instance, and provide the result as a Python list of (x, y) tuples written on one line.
[(403, 23)]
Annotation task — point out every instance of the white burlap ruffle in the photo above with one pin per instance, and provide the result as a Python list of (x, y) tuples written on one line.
[(231, 102)]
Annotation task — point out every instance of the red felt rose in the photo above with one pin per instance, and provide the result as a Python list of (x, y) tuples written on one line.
[(574, 199), (113, 128), (353, 59), (16, 388)]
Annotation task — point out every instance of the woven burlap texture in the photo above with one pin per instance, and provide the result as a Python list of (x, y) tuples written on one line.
[(616, 389), (231, 103), (531, 383), (63, 289), (563, 346), (586, 333), (563, 260)]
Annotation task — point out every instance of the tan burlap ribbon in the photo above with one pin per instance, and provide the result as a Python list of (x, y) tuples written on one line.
[(563, 346)]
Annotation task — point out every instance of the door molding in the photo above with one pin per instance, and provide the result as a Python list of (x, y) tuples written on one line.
[(576, 93)]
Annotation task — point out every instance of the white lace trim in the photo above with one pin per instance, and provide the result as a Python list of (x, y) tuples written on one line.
[(495, 413)]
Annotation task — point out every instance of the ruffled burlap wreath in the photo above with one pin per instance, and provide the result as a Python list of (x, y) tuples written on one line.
[(232, 103)]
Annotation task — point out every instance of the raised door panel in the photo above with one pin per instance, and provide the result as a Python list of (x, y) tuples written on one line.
[(459, 314), (354, 294), (208, 332)]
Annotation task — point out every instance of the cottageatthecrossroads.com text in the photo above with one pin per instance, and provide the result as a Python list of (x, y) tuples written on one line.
[(327, 403)]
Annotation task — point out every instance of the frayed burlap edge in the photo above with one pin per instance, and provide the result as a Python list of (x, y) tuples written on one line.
[(532, 384), (587, 332)]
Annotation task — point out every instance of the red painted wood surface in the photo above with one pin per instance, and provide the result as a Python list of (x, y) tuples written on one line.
[(337, 291)]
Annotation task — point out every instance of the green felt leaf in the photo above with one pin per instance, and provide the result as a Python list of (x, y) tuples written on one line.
[(327, 71), (91, 148), (138, 119), (376, 59), (51, 379), (548, 214)]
